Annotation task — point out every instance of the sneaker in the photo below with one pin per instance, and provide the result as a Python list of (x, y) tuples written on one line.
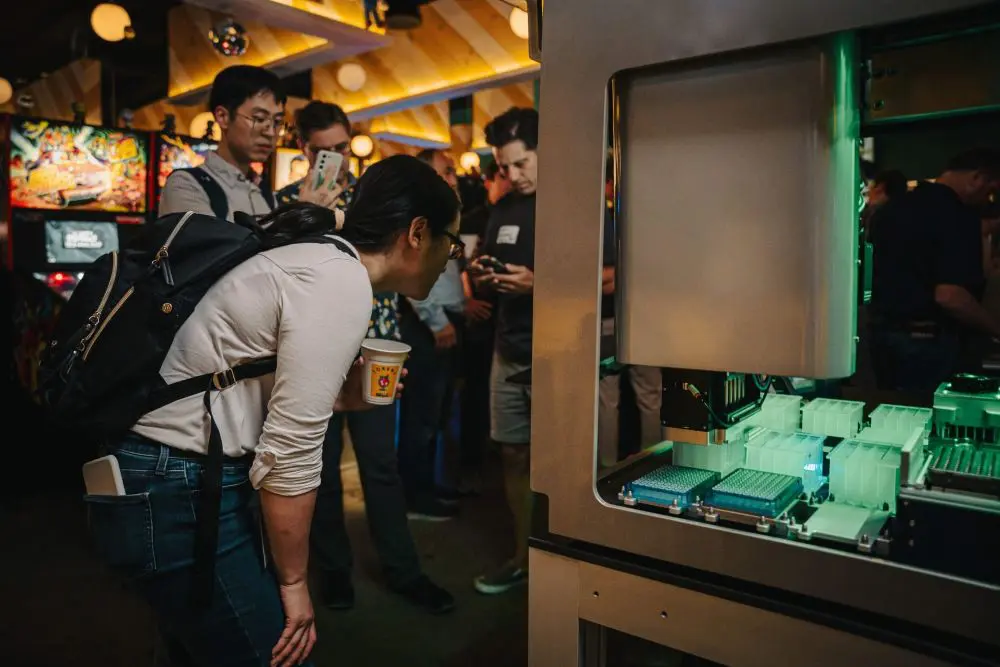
[(338, 591), (427, 595), (431, 509), (507, 577)]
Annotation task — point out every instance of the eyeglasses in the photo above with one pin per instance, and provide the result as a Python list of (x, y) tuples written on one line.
[(264, 124), (457, 248), (342, 147)]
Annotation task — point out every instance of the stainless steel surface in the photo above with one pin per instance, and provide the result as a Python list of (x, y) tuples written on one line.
[(553, 620), (586, 42), (737, 229), (713, 628)]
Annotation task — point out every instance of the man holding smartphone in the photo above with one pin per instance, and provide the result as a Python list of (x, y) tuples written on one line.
[(248, 104), (324, 127), (507, 267)]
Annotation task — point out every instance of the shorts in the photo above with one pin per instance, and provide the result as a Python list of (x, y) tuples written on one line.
[(510, 404)]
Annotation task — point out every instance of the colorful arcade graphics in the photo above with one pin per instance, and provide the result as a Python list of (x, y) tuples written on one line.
[(290, 166), (59, 166), (178, 152)]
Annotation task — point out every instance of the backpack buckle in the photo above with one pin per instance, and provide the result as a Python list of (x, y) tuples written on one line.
[(224, 379)]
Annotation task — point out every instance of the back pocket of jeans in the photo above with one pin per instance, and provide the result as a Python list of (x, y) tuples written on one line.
[(121, 531)]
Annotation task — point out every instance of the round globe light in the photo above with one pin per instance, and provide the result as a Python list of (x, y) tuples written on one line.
[(351, 77), (199, 125), (111, 22), (519, 22), (362, 146)]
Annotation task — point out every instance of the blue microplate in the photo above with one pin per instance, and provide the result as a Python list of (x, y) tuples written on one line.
[(668, 484), (756, 492)]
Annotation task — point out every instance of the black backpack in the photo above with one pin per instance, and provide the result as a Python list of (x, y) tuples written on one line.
[(100, 372)]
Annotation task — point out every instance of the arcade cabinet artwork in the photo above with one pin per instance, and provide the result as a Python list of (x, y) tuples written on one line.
[(290, 165), (175, 151), (76, 192), (78, 167)]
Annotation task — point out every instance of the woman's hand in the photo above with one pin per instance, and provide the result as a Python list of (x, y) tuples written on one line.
[(299, 636), (352, 393), (324, 194)]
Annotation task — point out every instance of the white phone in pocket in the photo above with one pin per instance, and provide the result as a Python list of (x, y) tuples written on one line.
[(327, 167), (103, 477)]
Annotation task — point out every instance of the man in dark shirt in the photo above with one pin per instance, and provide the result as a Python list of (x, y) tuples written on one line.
[(928, 276), (510, 242)]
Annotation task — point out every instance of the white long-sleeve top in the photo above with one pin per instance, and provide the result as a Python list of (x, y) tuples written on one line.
[(307, 303)]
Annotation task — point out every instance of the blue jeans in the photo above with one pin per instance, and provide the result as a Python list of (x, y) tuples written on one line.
[(147, 537)]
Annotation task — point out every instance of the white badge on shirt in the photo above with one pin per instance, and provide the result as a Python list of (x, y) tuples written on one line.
[(508, 234)]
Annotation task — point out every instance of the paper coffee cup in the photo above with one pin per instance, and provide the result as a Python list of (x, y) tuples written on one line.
[(383, 365)]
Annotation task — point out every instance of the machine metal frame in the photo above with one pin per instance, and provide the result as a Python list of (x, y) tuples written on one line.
[(586, 42)]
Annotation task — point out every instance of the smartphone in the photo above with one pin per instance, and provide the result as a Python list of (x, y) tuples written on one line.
[(493, 263), (328, 164), (103, 477)]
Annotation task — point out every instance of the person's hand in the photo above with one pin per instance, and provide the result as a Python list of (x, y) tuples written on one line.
[(476, 266), (324, 194), (446, 338), (482, 275), (520, 280), (478, 311), (352, 392), (299, 636)]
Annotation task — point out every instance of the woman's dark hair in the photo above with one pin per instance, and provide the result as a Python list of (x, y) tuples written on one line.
[(297, 220), (389, 195)]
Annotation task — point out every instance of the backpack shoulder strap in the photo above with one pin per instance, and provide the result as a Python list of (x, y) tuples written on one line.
[(265, 189), (216, 195), (222, 380)]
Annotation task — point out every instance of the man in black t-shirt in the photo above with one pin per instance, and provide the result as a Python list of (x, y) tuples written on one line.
[(928, 276), (507, 267)]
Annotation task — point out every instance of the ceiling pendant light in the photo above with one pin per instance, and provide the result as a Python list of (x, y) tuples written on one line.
[(519, 22), (111, 22), (6, 91), (362, 146), (351, 77)]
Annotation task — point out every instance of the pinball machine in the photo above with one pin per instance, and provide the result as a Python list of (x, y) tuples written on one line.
[(74, 193)]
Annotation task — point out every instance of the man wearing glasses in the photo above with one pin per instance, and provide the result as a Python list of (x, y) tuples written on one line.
[(324, 126), (249, 107)]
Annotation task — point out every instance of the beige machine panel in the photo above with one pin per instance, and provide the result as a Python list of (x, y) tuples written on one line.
[(737, 219)]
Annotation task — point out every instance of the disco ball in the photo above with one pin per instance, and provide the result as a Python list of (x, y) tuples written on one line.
[(25, 101), (229, 38)]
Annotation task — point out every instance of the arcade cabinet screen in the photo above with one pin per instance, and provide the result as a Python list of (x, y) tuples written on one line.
[(178, 152), (75, 242), (76, 167), (290, 165)]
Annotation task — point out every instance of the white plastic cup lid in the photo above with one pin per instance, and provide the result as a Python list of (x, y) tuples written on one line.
[(385, 346)]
